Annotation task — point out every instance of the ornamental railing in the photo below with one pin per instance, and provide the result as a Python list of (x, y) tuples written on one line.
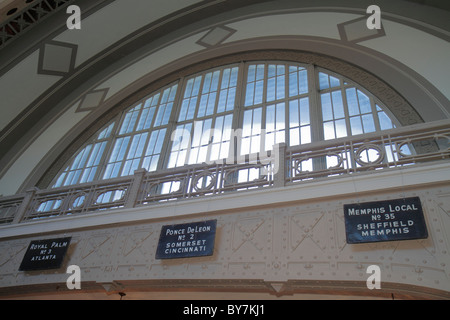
[(283, 166)]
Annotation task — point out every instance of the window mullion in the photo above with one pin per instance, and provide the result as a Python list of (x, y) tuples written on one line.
[(109, 147), (345, 105), (315, 106), (157, 109), (239, 110), (171, 126), (263, 133), (147, 141), (287, 116), (374, 113), (131, 135), (219, 89), (316, 119), (200, 95)]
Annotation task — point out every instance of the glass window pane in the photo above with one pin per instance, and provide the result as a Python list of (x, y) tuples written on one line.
[(281, 79), (356, 126), (385, 121), (306, 134), (251, 131), (303, 81), (137, 146), (323, 81), (160, 142), (334, 82), (97, 154), (247, 124), (260, 72), (280, 120), (327, 111), (250, 93), (271, 88), (183, 110), (152, 143), (294, 137), (227, 94), (105, 133), (251, 73), (281, 87), (338, 105), (181, 140), (272, 71), (255, 144), (328, 128), (211, 104), (364, 103), (341, 128), (130, 120), (259, 91), (202, 106), (368, 123), (257, 120), (294, 114), (270, 118), (231, 99), (191, 108), (189, 103), (255, 85), (120, 149), (353, 108), (225, 78), (146, 118), (304, 112), (293, 84), (218, 130)]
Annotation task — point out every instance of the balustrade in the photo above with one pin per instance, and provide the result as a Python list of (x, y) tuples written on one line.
[(406, 146)]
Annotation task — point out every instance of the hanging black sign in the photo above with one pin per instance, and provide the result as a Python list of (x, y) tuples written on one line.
[(400, 219), (45, 254), (187, 240)]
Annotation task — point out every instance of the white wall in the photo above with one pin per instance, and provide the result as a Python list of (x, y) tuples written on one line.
[(277, 238)]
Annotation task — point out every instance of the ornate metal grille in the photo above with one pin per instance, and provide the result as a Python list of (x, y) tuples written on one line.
[(395, 148)]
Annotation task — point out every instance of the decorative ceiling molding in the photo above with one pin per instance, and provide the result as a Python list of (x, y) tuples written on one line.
[(356, 31), (216, 36), (92, 100), (57, 58)]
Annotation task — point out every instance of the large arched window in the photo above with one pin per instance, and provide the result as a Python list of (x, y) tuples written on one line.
[(194, 119)]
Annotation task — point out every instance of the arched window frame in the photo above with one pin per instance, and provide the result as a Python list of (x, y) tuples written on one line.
[(238, 112)]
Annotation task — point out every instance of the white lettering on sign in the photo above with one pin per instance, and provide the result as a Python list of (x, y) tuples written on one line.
[(384, 228), (405, 207), (187, 240), (358, 212), (46, 252)]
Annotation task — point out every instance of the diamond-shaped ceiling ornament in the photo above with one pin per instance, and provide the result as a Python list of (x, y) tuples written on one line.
[(92, 100), (57, 58), (356, 31), (216, 36)]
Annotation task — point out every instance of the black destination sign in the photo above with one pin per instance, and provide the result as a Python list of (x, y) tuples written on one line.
[(187, 240), (45, 254), (400, 219)]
